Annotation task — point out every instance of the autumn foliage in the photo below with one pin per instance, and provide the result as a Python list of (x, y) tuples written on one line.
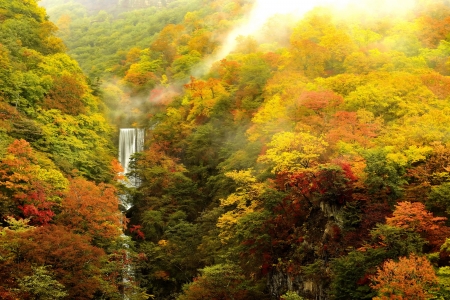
[(91, 210), (310, 161), (60, 223), (414, 217), (411, 277), (26, 186), (307, 158), (66, 95), (74, 261)]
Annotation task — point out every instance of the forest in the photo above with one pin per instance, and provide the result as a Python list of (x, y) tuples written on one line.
[(306, 159)]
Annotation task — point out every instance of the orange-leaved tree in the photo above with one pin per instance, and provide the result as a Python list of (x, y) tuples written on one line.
[(26, 189), (410, 278), (413, 216), (72, 260), (91, 210)]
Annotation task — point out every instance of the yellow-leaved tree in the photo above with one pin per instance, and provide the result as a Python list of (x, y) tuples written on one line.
[(294, 151), (243, 202)]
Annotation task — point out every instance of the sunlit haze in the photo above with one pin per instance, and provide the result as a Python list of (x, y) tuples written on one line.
[(264, 9)]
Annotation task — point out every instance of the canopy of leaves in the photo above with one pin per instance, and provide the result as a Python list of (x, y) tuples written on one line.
[(58, 235), (303, 164)]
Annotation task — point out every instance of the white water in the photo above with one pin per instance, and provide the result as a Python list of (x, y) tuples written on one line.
[(131, 140)]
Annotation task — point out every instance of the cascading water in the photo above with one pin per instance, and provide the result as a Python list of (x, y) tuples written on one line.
[(131, 140)]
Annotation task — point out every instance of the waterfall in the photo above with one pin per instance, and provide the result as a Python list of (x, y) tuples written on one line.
[(131, 140)]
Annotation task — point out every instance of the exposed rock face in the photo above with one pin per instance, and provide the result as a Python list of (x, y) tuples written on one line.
[(324, 223)]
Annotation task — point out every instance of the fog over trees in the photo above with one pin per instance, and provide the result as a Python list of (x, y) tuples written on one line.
[(307, 157)]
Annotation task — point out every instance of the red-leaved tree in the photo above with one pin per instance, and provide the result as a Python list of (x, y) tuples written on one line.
[(414, 216)]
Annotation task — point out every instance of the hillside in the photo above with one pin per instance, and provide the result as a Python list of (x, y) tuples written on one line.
[(305, 159), (307, 162), (60, 223), (99, 35)]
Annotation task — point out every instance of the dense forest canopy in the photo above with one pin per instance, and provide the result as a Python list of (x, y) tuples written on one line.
[(94, 6), (307, 157), (60, 223)]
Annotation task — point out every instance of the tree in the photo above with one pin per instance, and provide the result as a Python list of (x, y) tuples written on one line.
[(25, 186), (165, 42), (395, 241), (384, 176), (243, 202), (254, 71), (443, 274), (351, 272), (414, 217), (320, 101), (403, 37), (64, 24), (410, 277), (291, 296), (291, 151), (354, 127), (66, 95), (222, 281), (269, 119), (202, 98), (438, 84), (78, 142), (390, 95), (74, 262), (91, 210), (339, 44), (309, 58), (433, 30), (140, 77), (202, 41), (41, 285), (229, 71)]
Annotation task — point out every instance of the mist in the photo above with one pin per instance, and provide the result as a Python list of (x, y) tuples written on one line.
[(265, 9)]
